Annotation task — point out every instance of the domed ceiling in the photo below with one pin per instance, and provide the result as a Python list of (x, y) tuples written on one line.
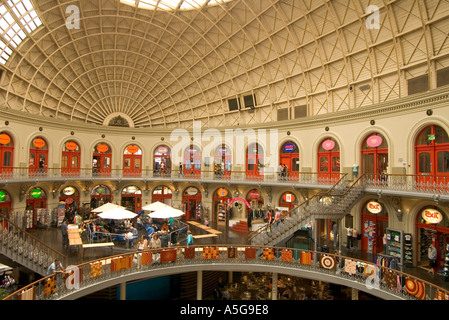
[(163, 64)]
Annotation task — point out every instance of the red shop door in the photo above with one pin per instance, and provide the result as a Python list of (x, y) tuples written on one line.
[(35, 157), (70, 164), (132, 165), (102, 164), (291, 160)]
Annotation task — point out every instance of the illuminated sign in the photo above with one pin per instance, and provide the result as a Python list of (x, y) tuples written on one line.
[(432, 216), (374, 141), (162, 150), (68, 191), (289, 147), (191, 191), (36, 193), (71, 146), (254, 194), (102, 148), (328, 145), (374, 207), (132, 149), (222, 192), (4, 138), (288, 197), (2, 195), (39, 143)]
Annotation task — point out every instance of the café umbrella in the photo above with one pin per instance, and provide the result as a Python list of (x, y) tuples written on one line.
[(166, 213), (106, 207), (117, 214), (155, 206)]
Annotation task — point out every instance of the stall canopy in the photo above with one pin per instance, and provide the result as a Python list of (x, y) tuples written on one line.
[(155, 206), (106, 207), (166, 213), (117, 214)]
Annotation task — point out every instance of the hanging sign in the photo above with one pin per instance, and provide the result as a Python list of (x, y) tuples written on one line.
[(374, 141), (131, 189), (289, 197), (2, 196), (100, 190), (4, 138), (71, 146), (132, 149), (36, 193), (432, 216), (222, 192), (239, 199), (191, 191), (254, 194), (68, 191), (102, 148), (39, 143), (69, 200), (289, 147), (328, 144), (162, 150), (374, 207), (431, 137)]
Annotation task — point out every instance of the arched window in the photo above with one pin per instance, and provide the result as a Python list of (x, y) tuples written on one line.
[(162, 161), (162, 194), (102, 160), (6, 154), (375, 156), (191, 199), (132, 198), (254, 161), (329, 160), (70, 160), (222, 161), (192, 161), (289, 161), (100, 195), (132, 161), (38, 157)]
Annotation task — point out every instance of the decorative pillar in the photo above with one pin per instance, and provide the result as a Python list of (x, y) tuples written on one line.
[(230, 277), (199, 285), (123, 291), (354, 294), (274, 289)]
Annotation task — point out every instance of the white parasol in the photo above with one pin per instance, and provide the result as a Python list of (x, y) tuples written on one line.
[(106, 207), (165, 213), (117, 214), (155, 206)]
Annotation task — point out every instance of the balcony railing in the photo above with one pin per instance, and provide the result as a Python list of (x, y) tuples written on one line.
[(95, 275)]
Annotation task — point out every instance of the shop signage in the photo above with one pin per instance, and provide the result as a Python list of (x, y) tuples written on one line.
[(162, 150), (131, 189), (374, 207), (289, 147), (132, 149), (100, 190), (288, 197), (374, 141), (432, 216), (36, 193), (222, 192), (68, 191), (4, 138), (2, 195), (71, 146), (328, 144), (69, 200), (102, 148), (39, 143), (254, 194), (191, 191)]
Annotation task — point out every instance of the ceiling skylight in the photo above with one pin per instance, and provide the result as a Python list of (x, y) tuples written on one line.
[(171, 4), (17, 19)]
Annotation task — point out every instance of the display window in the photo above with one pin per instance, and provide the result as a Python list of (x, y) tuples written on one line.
[(36, 201), (162, 194), (374, 225), (432, 228), (289, 161), (70, 159), (6, 154), (100, 195), (375, 157), (132, 161), (38, 157), (432, 157), (329, 160), (254, 162), (162, 161), (191, 199), (132, 198), (222, 162), (192, 161), (102, 160), (220, 199)]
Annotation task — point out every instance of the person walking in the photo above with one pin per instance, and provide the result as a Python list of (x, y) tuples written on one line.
[(335, 232), (189, 238)]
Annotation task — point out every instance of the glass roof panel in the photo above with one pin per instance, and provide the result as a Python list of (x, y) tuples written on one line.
[(171, 4)]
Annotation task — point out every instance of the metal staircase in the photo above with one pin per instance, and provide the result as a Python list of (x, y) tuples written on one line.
[(23, 248), (332, 204)]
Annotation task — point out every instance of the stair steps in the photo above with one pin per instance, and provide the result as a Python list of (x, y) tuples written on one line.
[(241, 226)]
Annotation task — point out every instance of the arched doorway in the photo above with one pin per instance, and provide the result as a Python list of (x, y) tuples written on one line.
[(36, 205), (288, 200), (132, 161), (432, 156), (375, 156), (220, 200), (162, 161), (70, 196), (38, 157), (5, 207), (6, 154), (289, 157), (329, 160), (191, 199), (162, 194), (100, 195), (374, 225), (432, 227), (70, 160), (222, 162), (102, 160), (192, 162), (256, 202), (132, 198), (254, 162)]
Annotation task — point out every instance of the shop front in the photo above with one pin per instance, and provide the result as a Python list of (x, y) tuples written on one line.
[(288, 200), (289, 159), (132, 198), (374, 225), (132, 161), (5, 207), (70, 159), (432, 228), (6, 154), (100, 195), (254, 162), (70, 196), (192, 161), (375, 157), (222, 162), (102, 160), (191, 200), (36, 208), (220, 199), (162, 161), (256, 203), (38, 157), (162, 194), (329, 160)]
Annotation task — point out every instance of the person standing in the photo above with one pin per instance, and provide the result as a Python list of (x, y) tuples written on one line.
[(65, 233), (354, 238), (432, 255), (189, 238), (349, 238), (249, 219), (55, 267), (335, 232), (384, 241)]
